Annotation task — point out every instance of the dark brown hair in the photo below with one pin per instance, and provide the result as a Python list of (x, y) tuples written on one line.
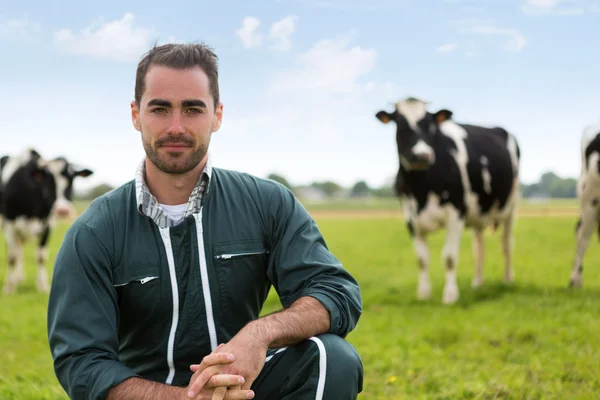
[(179, 56)]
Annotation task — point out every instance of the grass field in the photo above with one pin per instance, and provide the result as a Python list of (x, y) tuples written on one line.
[(535, 339)]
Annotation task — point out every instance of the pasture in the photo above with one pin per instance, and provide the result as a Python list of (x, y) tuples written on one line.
[(534, 339)]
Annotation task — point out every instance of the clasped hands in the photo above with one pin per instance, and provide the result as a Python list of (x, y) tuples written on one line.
[(229, 371)]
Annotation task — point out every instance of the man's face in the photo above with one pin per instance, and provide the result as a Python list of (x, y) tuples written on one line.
[(176, 117)]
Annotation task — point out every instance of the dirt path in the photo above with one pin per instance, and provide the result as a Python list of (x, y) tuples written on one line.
[(382, 214)]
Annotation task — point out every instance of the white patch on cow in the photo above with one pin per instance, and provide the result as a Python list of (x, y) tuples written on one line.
[(413, 110), (455, 228), (14, 245), (420, 246), (512, 150), (14, 163), (487, 180), (458, 135), (485, 175), (62, 206), (422, 149)]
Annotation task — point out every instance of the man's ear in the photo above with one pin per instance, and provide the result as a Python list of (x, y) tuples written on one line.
[(384, 116), (442, 115), (218, 118), (135, 115)]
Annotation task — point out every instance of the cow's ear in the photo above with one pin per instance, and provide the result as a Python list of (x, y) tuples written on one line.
[(442, 115), (84, 172), (384, 116)]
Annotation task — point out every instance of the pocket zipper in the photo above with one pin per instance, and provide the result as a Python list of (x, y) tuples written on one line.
[(148, 279), (228, 256)]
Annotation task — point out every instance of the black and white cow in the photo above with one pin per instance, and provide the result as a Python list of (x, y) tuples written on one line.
[(588, 192), (33, 192), (454, 176)]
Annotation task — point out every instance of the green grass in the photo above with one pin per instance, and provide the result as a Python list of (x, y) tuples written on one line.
[(534, 339)]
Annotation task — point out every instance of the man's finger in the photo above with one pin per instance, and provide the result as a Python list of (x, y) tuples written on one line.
[(219, 393), (226, 380), (236, 394), (216, 358), (199, 379)]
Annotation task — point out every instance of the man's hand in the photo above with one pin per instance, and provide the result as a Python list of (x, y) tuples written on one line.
[(250, 350), (212, 382)]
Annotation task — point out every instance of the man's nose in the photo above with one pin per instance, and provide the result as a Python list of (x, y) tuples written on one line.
[(176, 125)]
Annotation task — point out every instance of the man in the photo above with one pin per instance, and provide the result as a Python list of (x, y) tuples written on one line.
[(158, 286)]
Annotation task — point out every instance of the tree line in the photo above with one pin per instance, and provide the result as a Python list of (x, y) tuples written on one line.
[(549, 185)]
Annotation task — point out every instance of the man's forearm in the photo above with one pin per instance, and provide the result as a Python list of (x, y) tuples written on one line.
[(305, 318), (137, 388)]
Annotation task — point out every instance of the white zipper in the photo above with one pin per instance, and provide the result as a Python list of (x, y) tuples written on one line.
[(164, 233), (228, 256), (142, 281), (212, 331)]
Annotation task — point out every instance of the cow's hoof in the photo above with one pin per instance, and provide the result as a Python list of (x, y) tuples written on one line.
[(575, 283), (424, 294), (477, 282), (450, 295)]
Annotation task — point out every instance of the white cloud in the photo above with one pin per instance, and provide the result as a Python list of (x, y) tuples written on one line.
[(247, 33), (117, 40), (516, 40), (552, 7), (351, 5), (17, 28), (281, 31), (447, 48), (329, 67)]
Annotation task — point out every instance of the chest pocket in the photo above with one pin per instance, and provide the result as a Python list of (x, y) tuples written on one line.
[(140, 289), (241, 268)]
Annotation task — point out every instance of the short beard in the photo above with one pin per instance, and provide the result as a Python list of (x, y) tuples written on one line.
[(175, 164)]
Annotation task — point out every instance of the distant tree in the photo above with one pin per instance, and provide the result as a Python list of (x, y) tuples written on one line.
[(328, 187), (280, 179), (551, 185), (383, 191), (360, 189), (97, 191)]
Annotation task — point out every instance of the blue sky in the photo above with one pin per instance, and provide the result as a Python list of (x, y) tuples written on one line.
[(302, 79)]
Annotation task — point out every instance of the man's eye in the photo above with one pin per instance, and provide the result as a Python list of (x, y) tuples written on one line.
[(158, 110), (194, 111)]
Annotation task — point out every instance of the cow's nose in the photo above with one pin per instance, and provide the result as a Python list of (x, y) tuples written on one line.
[(424, 157)]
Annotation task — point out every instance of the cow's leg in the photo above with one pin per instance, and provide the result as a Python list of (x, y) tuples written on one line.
[(420, 245), (478, 253), (42, 258), (455, 227), (508, 244), (585, 229), (14, 250)]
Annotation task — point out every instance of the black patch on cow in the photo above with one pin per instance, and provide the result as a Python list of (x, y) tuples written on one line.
[(44, 236), (593, 146), (411, 228), (30, 192)]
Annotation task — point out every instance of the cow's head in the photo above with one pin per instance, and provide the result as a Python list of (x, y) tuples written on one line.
[(415, 131), (55, 178)]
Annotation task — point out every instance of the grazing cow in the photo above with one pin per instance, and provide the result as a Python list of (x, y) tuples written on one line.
[(588, 192), (33, 191), (454, 176)]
